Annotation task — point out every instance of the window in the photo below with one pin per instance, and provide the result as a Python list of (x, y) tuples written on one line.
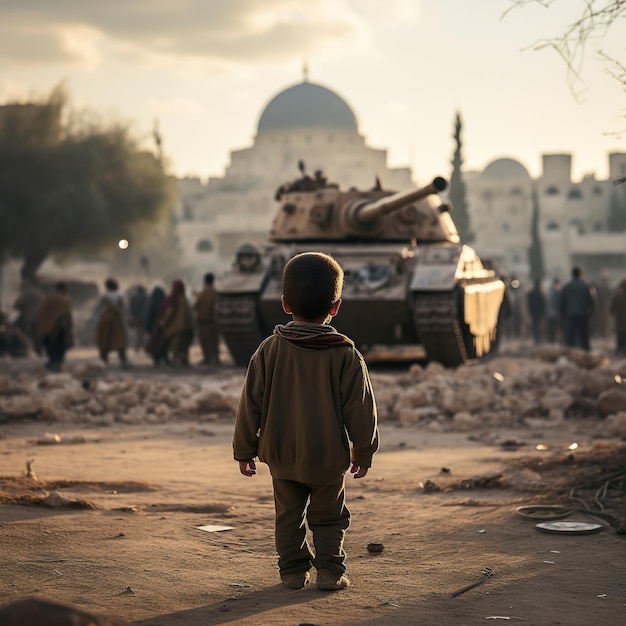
[(204, 245), (574, 194), (516, 191), (552, 191), (552, 226)]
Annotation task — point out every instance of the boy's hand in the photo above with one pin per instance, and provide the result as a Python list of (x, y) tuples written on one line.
[(358, 471), (247, 468)]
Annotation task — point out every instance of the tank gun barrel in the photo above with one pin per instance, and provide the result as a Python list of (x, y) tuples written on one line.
[(369, 212)]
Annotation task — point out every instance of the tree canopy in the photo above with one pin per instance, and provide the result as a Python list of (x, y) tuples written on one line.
[(75, 187)]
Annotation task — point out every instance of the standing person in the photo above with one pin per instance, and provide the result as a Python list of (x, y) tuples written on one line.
[(618, 310), (155, 346), (137, 302), (204, 308), (176, 324), (54, 326), (576, 309), (536, 303), (307, 394), (27, 305), (553, 311), (111, 326)]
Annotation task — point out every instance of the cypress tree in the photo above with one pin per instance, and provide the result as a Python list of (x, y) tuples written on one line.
[(457, 187), (535, 251)]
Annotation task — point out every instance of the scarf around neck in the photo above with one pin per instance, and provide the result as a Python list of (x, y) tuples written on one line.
[(315, 336)]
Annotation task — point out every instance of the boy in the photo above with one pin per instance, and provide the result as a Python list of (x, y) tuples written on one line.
[(306, 396)]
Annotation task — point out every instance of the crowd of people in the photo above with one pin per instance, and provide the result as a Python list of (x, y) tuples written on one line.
[(569, 314), (162, 324)]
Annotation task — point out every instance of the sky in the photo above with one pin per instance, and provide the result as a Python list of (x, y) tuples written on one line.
[(206, 69)]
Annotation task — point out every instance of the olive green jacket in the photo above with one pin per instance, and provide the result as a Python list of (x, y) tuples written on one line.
[(304, 403)]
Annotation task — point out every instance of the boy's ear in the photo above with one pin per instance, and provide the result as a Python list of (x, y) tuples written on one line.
[(335, 308), (286, 307)]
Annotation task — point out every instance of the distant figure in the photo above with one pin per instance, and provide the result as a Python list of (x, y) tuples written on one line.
[(137, 302), (13, 342), (553, 311), (601, 314), (576, 308), (27, 305), (618, 310), (155, 346), (176, 322), (204, 308), (111, 326), (536, 303), (504, 314), (54, 326)]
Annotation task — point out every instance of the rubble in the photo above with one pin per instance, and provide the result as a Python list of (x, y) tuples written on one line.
[(538, 391)]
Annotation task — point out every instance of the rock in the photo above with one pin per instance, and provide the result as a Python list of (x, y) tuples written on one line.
[(612, 401), (616, 423), (555, 399)]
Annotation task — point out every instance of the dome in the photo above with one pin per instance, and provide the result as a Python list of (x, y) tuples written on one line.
[(307, 106), (505, 168)]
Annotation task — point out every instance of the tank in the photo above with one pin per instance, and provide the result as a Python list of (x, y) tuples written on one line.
[(410, 285)]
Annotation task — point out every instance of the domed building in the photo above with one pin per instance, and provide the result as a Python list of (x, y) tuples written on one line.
[(573, 216), (503, 191), (307, 122)]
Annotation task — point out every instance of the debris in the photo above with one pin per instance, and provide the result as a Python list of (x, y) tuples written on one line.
[(602, 595), (243, 585), (128, 591), (30, 472), (569, 528), (445, 470), (48, 439), (429, 486), (487, 573), (375, 548), (214, 528)]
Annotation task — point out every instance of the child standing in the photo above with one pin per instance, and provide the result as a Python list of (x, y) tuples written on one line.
[(307, 395)]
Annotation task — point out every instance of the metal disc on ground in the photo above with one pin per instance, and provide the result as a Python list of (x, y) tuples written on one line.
[(569, 528)]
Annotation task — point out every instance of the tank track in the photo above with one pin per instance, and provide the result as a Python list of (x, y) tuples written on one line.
[(437, 322), (239, 326)]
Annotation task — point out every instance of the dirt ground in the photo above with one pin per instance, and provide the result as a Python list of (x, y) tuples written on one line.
[(139, 555)]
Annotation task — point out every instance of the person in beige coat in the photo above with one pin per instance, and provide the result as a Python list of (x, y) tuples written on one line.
[(54, 326), (307, 409), (111, 333), (206, 322), (176, 324)]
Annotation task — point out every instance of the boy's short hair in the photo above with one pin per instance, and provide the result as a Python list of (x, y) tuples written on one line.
[(312, 282)]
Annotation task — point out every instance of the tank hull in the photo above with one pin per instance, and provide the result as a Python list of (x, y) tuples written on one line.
[(394, 296)]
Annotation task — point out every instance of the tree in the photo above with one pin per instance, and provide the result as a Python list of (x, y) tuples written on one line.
[(457, 187), (535, 251), (75, 187), (595, 21)]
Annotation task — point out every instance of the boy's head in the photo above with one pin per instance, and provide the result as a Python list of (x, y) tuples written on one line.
[(312, 283)]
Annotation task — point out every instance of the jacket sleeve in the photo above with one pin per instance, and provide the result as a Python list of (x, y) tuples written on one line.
[(248, 419), (359, 410)]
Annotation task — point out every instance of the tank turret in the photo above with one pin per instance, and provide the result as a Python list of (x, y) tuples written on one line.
[(410, 285), (312, 210)]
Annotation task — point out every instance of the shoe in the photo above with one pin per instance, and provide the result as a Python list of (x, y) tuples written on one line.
[(295, 581), (327, 581)]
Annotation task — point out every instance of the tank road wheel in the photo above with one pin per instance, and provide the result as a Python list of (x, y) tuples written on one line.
[(238, 322)]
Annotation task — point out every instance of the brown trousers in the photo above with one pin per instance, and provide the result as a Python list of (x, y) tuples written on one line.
[(208, 338), (321, 508)]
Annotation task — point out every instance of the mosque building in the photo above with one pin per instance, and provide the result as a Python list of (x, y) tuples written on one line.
[(305, 122), (312, 123)]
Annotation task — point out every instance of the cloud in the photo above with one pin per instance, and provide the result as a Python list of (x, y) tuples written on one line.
[(75, 31)]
